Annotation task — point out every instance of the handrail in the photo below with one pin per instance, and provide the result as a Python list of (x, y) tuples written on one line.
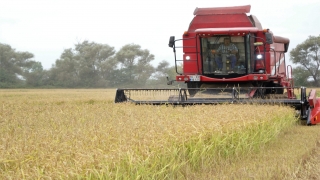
[(183, 47)]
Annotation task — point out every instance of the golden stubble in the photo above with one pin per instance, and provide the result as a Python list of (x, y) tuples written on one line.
[(77, 133)]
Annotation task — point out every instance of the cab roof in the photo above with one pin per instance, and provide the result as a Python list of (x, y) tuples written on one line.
[(222, 10)]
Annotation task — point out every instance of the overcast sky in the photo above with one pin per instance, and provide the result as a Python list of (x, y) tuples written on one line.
[(47, 27)]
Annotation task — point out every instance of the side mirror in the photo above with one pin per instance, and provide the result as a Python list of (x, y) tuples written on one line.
[(269, 39), (171, 41)]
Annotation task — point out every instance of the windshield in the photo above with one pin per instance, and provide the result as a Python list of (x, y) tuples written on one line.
[(223, 55)]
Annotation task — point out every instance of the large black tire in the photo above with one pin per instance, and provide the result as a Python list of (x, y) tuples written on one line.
[(191, 85), (274, 91)]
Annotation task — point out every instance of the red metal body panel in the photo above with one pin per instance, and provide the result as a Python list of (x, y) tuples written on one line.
[(191, 66), (189, 44), (249, 77), (312, 98), (220, 21), (230, 31), (315, 111), (279, 39)]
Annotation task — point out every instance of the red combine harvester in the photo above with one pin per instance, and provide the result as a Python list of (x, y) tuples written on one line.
[(227, 57)]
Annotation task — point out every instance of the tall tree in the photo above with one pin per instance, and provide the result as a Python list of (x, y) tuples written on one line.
[(65, 71), (135, 65), (34, 74), (89, 64), (301, 77), (163, 72), (306, 55), (12, 65), (93, 58)]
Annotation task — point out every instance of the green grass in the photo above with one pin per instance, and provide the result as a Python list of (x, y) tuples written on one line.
[(180, 160)]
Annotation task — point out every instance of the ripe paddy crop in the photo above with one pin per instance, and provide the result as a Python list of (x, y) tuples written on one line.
[(82, 134)]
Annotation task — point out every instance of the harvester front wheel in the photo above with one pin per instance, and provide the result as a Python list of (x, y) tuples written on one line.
[(191, 86), (278, 90)]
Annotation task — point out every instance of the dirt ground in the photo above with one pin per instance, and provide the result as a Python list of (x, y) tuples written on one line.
[(311, 165)]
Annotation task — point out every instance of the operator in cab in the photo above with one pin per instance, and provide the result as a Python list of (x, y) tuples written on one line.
[(230, 50)]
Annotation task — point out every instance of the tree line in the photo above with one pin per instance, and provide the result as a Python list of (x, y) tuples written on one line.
[(94, 65), (87, 65)]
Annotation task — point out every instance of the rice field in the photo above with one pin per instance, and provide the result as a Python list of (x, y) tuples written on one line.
[(82, 134)]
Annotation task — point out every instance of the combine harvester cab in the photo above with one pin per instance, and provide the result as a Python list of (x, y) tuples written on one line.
[(250, 67)]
